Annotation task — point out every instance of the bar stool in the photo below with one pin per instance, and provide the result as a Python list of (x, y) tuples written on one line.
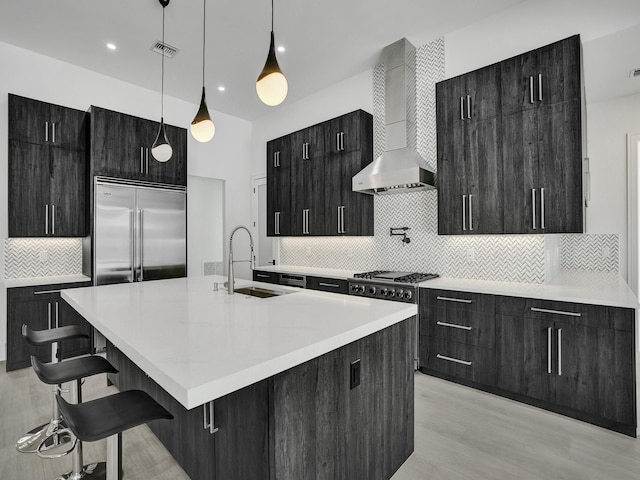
[(108, 417), (32, 440)]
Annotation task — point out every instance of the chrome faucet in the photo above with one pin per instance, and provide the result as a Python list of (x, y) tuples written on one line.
[(230, 278)]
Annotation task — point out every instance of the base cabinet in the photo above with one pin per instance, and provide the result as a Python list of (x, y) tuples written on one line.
[(573, 359), (307, 422), (41, 308)]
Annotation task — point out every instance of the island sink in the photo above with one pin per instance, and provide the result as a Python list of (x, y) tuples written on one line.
[(260, 292)]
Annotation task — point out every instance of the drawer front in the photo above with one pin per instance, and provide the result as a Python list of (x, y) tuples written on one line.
[(267, 277), (458, 360), (328, 284), (597, 316), (461, 326), (476, 302), (41, 292)]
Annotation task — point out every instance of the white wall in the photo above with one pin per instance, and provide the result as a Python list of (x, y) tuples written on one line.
[(32, 75)]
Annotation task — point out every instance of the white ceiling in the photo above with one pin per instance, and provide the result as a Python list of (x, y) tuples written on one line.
[(326, 41)]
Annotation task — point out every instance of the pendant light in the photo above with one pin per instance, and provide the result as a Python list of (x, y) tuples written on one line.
[(161, 150), (202, 127), (272, 86)]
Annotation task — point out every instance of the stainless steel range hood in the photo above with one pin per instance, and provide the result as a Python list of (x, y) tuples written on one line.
[(400, 168)]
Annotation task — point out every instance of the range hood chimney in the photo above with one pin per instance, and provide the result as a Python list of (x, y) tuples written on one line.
[(400, 168)]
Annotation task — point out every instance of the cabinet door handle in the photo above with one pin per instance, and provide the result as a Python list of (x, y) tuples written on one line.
[(461, 108), (470, 212), (277, 223), (132, 245), (469, 106), (559, 351), (531, 89), (540, 86), (342, 140), (49, 315), (46, 131), (57, 316), (209, 424), (549, 333), (308, 210), (542, 208), (453, 325), (455, 360), (342, 219), (147, 159), (53, 219), (338, 216), (464, 212), (557, 312), (533, 208), (141, 213), (141, 159), (458, 300), (338, 141), (46, 219), (53, 132), (332, 285)]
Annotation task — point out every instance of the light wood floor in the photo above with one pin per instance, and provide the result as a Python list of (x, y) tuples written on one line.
[(461, 434)]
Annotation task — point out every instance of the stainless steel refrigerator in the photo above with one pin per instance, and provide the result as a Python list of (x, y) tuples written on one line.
[(140, 232)]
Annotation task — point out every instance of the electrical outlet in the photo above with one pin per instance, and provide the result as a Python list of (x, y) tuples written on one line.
[(354, 374), (43, 256), (471, 255)]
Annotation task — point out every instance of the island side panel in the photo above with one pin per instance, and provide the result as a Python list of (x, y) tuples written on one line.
[(238, 450), (321, 428)]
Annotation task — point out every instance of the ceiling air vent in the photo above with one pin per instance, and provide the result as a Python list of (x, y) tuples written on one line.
[(634, 73), (164, 49)]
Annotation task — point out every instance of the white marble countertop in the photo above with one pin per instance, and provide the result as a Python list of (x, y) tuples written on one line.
[(35, 281), (596, 288), (314, 271), (199, 344)]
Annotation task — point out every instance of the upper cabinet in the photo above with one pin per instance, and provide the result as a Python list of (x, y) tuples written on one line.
[(309, 172), (121, 147), (47, 169), (510, 145)]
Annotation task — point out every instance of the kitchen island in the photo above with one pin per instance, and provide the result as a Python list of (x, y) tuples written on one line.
[(299, 385)]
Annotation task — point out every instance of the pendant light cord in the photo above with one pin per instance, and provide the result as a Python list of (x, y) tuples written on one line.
[(204, 25), (162, 81), (271, 16)]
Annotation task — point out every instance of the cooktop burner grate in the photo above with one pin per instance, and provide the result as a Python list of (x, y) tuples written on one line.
[(400, 277)]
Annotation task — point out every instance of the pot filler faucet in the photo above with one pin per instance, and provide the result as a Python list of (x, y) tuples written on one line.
[(230, 279)]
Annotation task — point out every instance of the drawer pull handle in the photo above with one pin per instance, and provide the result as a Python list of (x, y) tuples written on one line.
[(459, 300), (454, 360), (453, 325), (558, 312), (42, 292), (334, 285), (262, 275)]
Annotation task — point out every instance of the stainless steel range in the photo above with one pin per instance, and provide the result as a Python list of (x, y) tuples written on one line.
[(387, 285), (395, 286)]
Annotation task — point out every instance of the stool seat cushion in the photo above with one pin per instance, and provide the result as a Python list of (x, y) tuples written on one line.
[(69, 370), (46, 337), (106, 416)]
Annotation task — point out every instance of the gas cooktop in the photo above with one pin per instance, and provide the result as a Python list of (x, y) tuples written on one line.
[(400, 277)]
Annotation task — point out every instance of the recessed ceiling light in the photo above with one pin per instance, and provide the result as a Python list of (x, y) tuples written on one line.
[(281, 49), (111, 46), (221, 88)]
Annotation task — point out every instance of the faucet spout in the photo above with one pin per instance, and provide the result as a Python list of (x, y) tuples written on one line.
[(252, 259)]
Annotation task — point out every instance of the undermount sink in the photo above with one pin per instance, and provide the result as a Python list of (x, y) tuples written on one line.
[(260, 292)]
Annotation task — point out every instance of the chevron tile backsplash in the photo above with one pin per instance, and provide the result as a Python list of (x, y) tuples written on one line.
[(22, 257), (514, 258)]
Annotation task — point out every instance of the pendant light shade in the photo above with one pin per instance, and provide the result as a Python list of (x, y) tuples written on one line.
[(272, 85), (161, 149), (202, 127)]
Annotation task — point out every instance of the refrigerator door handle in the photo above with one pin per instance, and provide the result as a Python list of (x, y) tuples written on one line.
[(141, 229), (132, 246)]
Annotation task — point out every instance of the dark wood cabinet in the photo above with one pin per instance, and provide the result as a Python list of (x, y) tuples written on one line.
[(309, 172), (510, 145), (577, 359), (570, 358), (47, 169), (41, 123), (267, 277), (121, 148), (41, 308), (334, 285)]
